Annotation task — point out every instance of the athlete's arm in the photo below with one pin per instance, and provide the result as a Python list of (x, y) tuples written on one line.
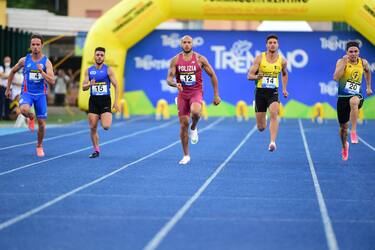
[(284, 77), (366, 68), (211, 73), (254, 73), (340, 68), (48, 75), (13, 71), (172, 75), (86, 83), (112, 77)]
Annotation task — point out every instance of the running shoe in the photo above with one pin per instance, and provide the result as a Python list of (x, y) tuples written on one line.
[(272, 146), (94, 154), (345, 152), (353, 137), (185, 160), (39, 152), (194, 136)]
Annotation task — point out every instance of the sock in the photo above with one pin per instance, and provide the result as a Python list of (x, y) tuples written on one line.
[(97, 149)]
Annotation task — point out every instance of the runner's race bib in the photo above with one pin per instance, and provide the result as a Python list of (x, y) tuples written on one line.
[(269, 82), (352, 88), (188, 80), (35, 76), (99, 89)]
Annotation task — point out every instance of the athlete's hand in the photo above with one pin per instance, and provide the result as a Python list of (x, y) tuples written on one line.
[(92, 82), (179, 86), (345, 59), (217, 100), (259, 75), (7, 93), (368, 91), (115, 107), (40, 67), (285, 93)]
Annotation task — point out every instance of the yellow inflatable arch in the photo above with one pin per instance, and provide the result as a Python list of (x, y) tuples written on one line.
[(131, 20)]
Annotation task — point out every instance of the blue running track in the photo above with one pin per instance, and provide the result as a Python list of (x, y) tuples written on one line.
[(234, 194)]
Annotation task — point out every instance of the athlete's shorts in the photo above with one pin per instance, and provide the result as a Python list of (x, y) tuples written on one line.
[(264, 97), (185, 100), (100, 104), (39, 102), (343, 108)]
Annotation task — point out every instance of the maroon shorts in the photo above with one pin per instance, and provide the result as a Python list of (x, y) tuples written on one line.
[(185, 100)]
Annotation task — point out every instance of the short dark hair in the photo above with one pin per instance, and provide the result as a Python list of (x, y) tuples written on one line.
[(352, 44), (100, 49), (272, 36), (37, 36)]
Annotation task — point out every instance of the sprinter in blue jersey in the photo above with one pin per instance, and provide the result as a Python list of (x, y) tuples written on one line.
[(37, 72), (98, 79)]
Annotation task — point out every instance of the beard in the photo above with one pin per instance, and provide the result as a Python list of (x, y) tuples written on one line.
[(187, 52), (99, 62)]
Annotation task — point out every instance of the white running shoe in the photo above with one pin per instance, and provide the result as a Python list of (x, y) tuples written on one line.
[(194, 136), (185, 160), (272, 146)]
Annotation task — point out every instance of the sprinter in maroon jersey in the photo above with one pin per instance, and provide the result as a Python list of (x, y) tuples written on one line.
[(187, 68)]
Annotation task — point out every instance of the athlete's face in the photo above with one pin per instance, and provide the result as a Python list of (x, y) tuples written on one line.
[(99, 57), (36, 46), (272, 45), (187, 44), (353, 53)]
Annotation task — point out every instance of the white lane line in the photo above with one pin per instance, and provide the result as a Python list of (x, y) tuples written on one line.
[(86, 148), (330, 234), (29, 213), (367, 144), (159, 236), (69, 134)]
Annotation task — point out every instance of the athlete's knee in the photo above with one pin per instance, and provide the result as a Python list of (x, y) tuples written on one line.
[(41, 125), (195, 113), (354, 102), (273, 114), (344, 128)]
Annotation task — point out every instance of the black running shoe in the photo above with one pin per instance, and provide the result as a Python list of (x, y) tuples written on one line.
[(94, 155)]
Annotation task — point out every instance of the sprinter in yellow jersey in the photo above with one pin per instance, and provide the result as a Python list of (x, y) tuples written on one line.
[(348, 73), (265, 70)]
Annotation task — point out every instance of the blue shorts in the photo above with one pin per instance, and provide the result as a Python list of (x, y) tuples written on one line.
[(39, 101)]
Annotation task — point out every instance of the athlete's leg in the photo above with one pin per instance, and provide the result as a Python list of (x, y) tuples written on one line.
[(354, 103), (261, 120), (25, 103), (41, 131), (184, 136), (274, 123), (344, 138), (195, 109), (40, 105), (93, 123), (343, 133), (106, 120)]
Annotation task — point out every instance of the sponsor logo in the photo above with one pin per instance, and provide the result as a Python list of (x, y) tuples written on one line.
[(329, 88), (147, 62), (239, 58), (174, 40), (372, 67), (333, 43)]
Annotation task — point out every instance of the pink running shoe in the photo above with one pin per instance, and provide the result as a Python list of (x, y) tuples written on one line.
[(39, 152), (353, 137), (345, 152)]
